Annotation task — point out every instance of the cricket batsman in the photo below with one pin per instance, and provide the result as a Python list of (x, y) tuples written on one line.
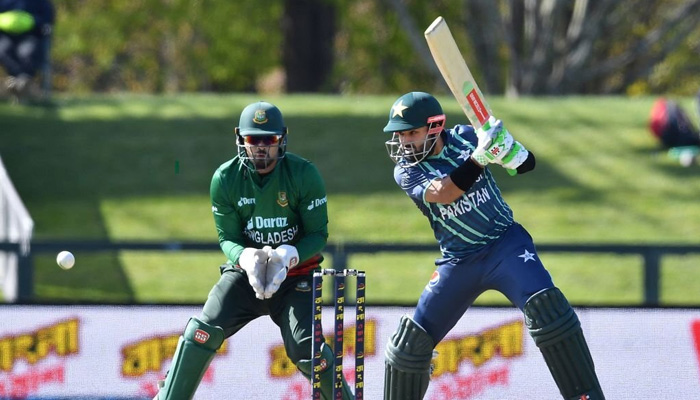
[(271, 215), (444, 172)]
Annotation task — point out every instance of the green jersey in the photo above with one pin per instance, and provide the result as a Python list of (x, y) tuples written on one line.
[(286, 206)]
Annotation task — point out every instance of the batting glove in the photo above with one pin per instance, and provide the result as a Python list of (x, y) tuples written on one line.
[(495, 142), (254, 263), (281, 260), (517, 155)]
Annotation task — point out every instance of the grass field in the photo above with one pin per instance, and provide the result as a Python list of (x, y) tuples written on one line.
[(128, 167)]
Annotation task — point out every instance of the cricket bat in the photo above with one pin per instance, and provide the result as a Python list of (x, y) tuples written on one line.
[(456, 73)]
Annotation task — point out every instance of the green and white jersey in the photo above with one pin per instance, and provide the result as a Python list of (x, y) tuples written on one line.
[(286, 206)]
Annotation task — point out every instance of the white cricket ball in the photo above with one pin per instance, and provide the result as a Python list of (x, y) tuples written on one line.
[(65, 259)]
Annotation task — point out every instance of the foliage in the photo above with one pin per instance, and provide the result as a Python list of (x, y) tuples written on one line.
[(164, 45), (167, 46)]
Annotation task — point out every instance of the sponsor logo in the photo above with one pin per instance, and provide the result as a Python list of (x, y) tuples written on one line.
[(282, 199), (434, 279), (244, 201), (142, 358), (274, 222), (505, 341), (200, 336), (260, 117), (317, 203), (59, 339)]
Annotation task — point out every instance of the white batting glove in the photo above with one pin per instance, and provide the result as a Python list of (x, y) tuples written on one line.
[(254, 263), (281, 260), (494, 142)]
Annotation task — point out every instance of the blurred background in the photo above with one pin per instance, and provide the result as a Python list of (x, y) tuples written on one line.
[(112, 150)]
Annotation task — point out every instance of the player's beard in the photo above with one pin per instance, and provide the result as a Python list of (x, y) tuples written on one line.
[(416, 152), (262, 159)]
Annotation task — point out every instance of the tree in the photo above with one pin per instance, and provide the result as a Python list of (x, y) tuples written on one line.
[(308, 51)]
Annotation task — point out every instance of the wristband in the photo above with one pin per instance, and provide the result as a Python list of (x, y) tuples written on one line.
[(527, 165), (466, 174)]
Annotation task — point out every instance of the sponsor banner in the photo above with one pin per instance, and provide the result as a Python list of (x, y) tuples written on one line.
[(121, 352)]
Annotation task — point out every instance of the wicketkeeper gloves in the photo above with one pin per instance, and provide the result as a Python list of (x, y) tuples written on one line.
[(254, 263), (282, 259), (267, 268)]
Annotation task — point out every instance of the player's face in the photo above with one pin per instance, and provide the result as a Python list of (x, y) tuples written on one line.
[(415, 144), (263, 151)]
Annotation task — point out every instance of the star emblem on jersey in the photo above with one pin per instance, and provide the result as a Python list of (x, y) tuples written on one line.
[(397, 109), (464, 154), (527, 256)]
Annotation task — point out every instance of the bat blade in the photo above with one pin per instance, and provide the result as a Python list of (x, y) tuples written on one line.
[(456, 73)]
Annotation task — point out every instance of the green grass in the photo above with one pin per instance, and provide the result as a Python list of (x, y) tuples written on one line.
[(128, 167)]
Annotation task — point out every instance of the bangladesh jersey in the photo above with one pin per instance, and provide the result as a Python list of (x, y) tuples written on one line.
[(286, 206), (476, 218)]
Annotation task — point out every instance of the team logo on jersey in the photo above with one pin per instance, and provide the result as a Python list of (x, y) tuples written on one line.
[(260, 117), (282, 199), (434, 279)]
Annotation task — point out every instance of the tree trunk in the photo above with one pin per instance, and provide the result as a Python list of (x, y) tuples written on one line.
[(309, 30)]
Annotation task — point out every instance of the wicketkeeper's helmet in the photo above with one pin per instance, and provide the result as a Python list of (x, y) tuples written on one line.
[(261, 125), (411, 111)]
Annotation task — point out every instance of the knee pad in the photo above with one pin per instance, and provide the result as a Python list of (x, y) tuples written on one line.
[(556, 330), (407, 365), (195, 350), (325, 375)]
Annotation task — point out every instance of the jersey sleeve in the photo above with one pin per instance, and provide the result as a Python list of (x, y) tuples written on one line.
[(228, 223), (313, 210), (411, 181)]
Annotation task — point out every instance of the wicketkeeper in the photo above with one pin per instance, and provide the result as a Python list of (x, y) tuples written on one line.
[(444, 172), (270, 211)]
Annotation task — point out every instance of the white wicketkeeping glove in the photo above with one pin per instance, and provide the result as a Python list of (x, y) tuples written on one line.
[(494, 142), (254, 262), (282, 259)]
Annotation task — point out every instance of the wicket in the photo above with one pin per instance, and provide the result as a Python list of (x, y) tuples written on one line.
[(339, 304)]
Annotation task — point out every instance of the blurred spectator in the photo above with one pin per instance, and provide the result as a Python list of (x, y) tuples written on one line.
[(675, 131), (25, 32)]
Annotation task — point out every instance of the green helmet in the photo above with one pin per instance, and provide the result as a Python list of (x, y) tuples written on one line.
[(261, 118), (260, 128), (412, 110)]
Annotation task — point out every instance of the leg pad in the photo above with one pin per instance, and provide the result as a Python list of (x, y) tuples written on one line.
[(556, 330), (407, 365), (194, 352)]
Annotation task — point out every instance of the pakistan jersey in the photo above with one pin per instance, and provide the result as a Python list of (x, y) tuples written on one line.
[(286, 206), (476, 218)]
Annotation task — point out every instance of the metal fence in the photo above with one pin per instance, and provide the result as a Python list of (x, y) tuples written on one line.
[(651, 255)]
